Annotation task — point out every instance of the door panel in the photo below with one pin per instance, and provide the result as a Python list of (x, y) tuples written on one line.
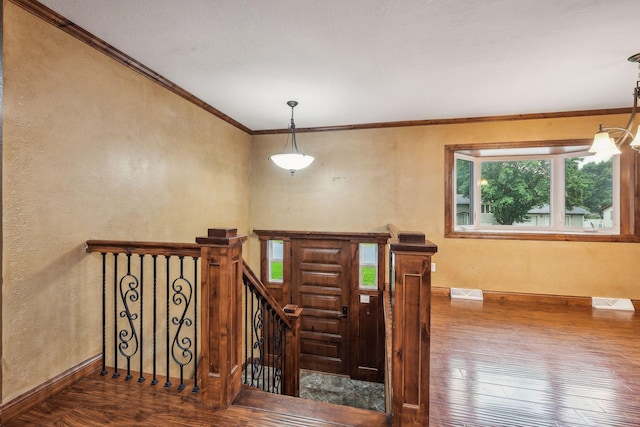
[(313, 323), (321, 286)]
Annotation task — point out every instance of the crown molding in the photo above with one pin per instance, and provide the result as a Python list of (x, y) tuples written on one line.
[(81, 34)]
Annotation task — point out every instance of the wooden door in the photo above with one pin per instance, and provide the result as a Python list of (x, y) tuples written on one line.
[(320, 284)]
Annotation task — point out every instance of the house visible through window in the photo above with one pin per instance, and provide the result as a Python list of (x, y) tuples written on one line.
[(556, 188)]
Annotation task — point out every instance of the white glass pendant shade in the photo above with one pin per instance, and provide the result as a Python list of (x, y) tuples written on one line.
[(603, 144), (292, 161)]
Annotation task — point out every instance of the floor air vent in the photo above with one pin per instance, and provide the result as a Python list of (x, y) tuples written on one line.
[(612, 304), (472, 294)]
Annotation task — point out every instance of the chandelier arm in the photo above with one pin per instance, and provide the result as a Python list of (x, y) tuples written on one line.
[(626, 130), (603, 141)]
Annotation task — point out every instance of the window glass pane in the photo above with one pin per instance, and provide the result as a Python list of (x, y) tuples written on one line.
[(464, 192), (276, 271), (368, 277), (276, 256), (368, 253), (589, 193), (516, 193), (277, 247), (368, 265)]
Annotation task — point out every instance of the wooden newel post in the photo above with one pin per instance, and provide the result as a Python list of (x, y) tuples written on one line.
[(221, 316), (292, 351), (411, 329)]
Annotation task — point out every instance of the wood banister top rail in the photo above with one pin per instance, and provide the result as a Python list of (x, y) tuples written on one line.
[(394, 232), (262, 290), (144, 248)]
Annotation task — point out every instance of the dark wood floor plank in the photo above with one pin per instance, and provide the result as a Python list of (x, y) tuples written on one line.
[(519, 364), (497, 364)]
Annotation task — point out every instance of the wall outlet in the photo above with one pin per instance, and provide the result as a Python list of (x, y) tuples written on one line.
[(433, 267)]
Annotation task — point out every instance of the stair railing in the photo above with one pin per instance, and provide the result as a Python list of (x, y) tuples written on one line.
[(172, 314), (271, 340), (150, 311)]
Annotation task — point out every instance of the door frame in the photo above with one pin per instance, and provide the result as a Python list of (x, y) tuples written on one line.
[(282, 292)]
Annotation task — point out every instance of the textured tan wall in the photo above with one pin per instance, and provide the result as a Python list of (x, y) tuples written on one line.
[(93, 150), (362, 180)]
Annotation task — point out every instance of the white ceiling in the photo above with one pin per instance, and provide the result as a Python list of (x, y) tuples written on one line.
[(368, 61)]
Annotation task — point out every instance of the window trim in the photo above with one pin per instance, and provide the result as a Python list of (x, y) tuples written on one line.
[(629, 198)]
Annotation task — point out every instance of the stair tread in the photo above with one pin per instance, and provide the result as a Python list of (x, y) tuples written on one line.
[(321, 411)]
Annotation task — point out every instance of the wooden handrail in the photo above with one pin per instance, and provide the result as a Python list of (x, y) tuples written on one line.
[(145, 248), (393, 231), (262, 290)]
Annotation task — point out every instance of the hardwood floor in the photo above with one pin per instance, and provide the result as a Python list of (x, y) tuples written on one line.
[(517, 364), (493, 364)]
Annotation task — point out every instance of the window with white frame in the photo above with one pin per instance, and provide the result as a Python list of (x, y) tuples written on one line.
[(368, 266), (275, 253), (558, 188)]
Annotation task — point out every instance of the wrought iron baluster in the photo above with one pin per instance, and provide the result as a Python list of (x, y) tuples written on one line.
[(246, 325), (258, 326), (104, 314), (154, 381), (168, 381), (272, 357), (195, 325), (129, 293), (263, 333), (141, 377), (283, 357), (252, 336), (181, 346), (116, 374), (272, 343)]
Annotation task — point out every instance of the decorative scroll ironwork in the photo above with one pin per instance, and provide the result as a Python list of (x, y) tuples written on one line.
[(178, 305), (257, 362), (181, 351), (128, 335), (264, 342), (278, 349)]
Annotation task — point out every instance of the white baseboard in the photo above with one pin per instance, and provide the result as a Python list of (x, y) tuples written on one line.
[(612, 304), (470, 294)]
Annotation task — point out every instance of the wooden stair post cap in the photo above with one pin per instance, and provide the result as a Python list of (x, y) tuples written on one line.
[(414, 237), (222, 232), (221, 236)]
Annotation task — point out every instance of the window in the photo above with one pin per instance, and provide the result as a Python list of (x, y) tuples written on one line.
[(276, 260), (536, 190), (368, 265)]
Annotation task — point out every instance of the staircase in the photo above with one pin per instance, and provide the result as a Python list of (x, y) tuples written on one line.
[(208, 288)]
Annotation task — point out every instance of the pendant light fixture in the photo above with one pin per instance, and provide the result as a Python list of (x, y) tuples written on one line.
[(609, 139), (292, 160)]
